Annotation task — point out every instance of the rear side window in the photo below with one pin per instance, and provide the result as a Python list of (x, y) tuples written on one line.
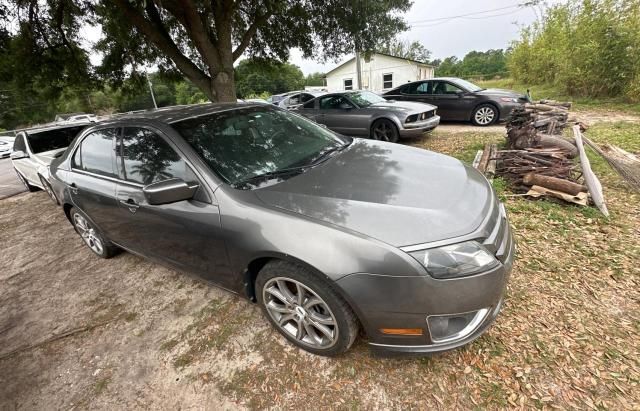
[(95, 153), (147, 158), (18, 144)]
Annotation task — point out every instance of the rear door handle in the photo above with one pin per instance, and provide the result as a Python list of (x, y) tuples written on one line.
[(74, 188), (130, 204)]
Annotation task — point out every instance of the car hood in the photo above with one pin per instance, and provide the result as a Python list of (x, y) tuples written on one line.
[(397, 194), (47, 157), (406, 106), (501, 92)]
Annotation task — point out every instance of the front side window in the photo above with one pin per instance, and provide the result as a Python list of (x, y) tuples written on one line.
[(95, 153), (246, 143), (147, 158), (334, 103), (419, 88), (18, 144), (310, 104), (387, 80), (47, 140), (348, 84), (442, 87)]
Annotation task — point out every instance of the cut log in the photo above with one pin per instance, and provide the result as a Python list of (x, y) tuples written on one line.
[(553, 183), (593, 184), (491, 165), (547, 141)]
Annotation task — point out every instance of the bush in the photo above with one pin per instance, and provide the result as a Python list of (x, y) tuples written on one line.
[(585, 48)]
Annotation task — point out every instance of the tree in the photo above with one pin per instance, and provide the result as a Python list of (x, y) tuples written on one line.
[(256, 76), (314, 79), (202, 39), (413, 50), (474, 64)]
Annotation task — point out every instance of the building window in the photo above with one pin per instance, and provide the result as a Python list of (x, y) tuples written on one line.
[(387, 81), (348, 84)]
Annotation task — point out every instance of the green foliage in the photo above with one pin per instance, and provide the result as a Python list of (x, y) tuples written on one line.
[(255, 76), (476, 64), (314, 79), (584, 48), (413, 50)]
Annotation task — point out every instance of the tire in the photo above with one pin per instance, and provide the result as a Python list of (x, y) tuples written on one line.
[(49, 190), (301, 320), (96, 242), (385, 130), (24, 181), (484, 115)]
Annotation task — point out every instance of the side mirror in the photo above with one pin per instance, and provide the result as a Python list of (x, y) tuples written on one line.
[(169, 191), (16, 155)]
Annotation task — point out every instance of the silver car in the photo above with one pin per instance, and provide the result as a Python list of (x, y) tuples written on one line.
[(34, 149), (365, 114), (297, 99)]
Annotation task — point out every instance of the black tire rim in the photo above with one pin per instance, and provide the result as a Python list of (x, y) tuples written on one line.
[(384, 131)]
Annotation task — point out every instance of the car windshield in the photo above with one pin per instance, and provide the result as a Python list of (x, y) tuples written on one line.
[(365, 98), (52, 139), (468, 85), (258, 141)]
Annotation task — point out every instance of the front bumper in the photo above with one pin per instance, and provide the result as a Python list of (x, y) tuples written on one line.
[(406, 302), (412, 130), (506, 109)]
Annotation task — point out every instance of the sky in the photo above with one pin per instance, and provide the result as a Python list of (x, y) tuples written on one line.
[(444, 37)]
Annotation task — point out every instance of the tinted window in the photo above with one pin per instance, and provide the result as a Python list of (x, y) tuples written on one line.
[(310, 104), (95, 153), (52, 139), (334, 102), (305, 97), (442, 87), (418, 88), (245, 143), (295, 99), (18, 144), (147, 158)]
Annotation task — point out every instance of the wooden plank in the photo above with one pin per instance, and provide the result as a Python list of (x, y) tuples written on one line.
[(592, 182)]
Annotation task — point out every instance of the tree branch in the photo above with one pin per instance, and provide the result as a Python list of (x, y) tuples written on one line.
[(258, 20)]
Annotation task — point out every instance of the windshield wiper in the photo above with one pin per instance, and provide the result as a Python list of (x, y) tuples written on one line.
[(326, 153), (271, 175)]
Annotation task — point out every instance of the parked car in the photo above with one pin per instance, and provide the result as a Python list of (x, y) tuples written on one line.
[(34, 149), (276, 98), (296, 99), (5, 148), (365, 114), (460, 100), (326, 233)]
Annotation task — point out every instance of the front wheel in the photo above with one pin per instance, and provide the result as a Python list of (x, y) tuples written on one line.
[(96, 242), (385, 130), (484, 115), (305, 309)]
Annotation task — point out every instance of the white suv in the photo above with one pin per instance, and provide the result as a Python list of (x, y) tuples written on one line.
[(34, 149)]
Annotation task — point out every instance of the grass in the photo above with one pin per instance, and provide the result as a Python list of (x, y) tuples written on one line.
[(546, 91)]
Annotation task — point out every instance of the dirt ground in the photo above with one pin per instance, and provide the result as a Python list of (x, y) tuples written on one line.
[(79, 332)]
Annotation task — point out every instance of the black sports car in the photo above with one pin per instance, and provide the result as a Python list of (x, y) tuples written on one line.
[(460, 100)]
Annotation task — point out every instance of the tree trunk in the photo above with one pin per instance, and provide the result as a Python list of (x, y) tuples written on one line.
[(224, 88)]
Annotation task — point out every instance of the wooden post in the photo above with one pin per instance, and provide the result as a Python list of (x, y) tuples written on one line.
[(592, 182)]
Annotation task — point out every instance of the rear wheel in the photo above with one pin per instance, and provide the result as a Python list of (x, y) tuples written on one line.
[(484, 115), (99, 244), (305, 309), (385, 130)]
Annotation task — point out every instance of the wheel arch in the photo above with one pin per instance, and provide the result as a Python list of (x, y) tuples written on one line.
[(259, 262), (392, 119)]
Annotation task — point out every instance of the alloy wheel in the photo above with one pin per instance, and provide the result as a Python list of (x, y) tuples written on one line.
[(300, 312), (485, 115), (88, 234), (383, 131)]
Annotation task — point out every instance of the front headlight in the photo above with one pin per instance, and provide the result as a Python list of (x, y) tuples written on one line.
[(509, 99), (456, 260)]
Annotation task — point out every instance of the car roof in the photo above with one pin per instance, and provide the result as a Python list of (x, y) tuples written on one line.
[(174, 114)]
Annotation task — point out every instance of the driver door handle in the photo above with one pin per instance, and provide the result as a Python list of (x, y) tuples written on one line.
[(130, 204), (74, 188)]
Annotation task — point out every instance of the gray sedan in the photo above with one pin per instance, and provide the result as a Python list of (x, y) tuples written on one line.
[(365, 114), (328, 234)]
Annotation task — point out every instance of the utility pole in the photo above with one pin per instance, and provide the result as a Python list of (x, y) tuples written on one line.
[(151, 90), (358, 70)]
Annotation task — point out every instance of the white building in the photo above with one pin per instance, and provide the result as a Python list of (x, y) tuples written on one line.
[(380, 72)]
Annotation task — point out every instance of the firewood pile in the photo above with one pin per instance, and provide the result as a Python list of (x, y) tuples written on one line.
[(537, 160)]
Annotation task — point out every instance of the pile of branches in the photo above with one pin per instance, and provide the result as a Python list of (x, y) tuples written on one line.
[(545, 116), (517, 166)]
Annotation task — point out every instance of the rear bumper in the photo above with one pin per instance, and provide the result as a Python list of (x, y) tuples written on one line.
[(418, 128), (406, 302)]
